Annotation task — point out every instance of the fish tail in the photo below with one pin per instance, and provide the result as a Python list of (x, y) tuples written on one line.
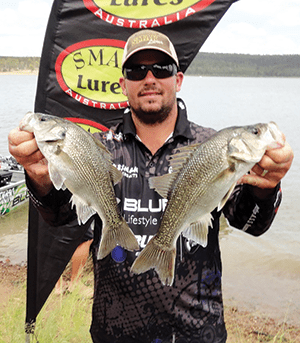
[(154, 256), (125, 237), (121, 235)]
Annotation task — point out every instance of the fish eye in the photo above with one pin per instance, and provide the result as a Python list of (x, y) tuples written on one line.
[(43, 119), (255, 131)]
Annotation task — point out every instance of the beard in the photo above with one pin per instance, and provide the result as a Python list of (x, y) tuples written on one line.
[(152, 116)]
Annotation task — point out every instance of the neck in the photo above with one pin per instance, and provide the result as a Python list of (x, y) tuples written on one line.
[(154, 136)]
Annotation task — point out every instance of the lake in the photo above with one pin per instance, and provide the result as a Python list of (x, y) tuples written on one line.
[(261, 274)]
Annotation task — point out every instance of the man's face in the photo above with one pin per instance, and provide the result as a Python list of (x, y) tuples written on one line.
[(151, 99)]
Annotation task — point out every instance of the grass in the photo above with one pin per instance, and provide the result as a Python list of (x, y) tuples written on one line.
[(245, 327), (66, 319), (63, 319)]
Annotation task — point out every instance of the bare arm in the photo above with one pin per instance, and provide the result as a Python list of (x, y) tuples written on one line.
[(23, 147)]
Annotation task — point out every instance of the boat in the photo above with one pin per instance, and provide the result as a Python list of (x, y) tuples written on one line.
[(13, 190)]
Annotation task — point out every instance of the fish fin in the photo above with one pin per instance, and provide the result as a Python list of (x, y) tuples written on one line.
[(84, 212), (119, 235), (103, 149), (56, 178), (226, 197), (198, 231), (162, 184), (153, 256), (116, 174), (182, 156)]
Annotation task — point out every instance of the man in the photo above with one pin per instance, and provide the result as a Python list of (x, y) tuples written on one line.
[(138, 308)]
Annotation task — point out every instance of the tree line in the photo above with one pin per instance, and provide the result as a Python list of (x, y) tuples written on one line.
[(204, 64), (11, 64), (217, 64)]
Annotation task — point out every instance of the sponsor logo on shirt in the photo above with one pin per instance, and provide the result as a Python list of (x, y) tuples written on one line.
[(135, 205), (129, 172)]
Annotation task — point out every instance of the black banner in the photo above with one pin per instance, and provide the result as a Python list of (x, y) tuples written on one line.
[(78, 79)]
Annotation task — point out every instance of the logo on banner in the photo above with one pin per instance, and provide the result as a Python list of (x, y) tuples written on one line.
[(140, 14), (89, 72)]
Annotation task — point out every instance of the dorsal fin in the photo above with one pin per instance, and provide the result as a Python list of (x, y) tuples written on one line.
[(116, 174), (182, 156), (104, 151), (164, 184)]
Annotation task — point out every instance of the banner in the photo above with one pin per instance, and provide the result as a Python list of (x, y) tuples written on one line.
[(79, 80)]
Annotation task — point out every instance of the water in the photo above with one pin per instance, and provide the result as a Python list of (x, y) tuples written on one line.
[(13, 235), (261, 274), (16, 99)]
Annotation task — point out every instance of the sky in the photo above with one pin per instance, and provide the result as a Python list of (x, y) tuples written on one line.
[(264, 27)]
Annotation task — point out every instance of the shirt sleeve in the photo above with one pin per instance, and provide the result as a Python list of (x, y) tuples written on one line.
[(55, 207), (246, 212)]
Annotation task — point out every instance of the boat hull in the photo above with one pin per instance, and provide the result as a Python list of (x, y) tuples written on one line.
[(13, 194)]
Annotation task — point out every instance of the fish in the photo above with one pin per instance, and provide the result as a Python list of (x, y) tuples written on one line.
[(203, 177), (83, 165)]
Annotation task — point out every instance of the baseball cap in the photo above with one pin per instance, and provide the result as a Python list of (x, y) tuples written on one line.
[(148, 39)]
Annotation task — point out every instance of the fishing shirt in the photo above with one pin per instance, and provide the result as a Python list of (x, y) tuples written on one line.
[(131, 308)]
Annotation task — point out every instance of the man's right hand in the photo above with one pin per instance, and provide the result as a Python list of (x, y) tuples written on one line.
[(23, 147)]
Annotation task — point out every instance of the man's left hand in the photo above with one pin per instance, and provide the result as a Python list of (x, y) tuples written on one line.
[(268, 172)]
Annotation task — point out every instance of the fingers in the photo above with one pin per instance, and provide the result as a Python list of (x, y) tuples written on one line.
[(273, 166), (276, 161), (23, 146), (16, 136), (21, 143), (281, 155)]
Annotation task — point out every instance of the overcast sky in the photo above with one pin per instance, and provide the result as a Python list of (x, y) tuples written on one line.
[(249, 26)]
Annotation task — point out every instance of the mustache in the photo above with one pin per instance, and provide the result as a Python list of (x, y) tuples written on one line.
[(149, 89)]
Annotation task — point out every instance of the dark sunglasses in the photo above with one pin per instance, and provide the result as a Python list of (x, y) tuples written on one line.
[(139, 72)]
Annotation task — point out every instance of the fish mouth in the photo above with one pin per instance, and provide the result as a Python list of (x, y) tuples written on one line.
[(278, 138), (27, 123)]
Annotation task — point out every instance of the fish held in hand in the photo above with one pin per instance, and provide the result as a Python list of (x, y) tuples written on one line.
[(203, 177), (82, 164)]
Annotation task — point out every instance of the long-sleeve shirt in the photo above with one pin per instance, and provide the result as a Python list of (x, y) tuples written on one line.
[(138, 308)]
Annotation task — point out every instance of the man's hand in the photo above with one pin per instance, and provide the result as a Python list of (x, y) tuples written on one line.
[(268, 172), (23, 147)]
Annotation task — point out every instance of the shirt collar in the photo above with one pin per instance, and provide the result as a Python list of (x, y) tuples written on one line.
[(182, 126)]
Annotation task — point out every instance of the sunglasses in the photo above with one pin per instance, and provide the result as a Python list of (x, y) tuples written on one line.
[(160, 71)]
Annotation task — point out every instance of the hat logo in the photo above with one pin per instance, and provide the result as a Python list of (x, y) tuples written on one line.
[(155, 42)]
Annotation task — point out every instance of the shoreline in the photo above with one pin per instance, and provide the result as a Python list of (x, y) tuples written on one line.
[(242, 325), (20, 72)]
